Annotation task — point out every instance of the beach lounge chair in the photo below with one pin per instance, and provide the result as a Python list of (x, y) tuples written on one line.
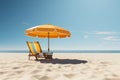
[(35, 50)]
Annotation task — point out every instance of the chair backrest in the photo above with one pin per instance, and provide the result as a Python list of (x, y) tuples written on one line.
[(34, 47), (38, 47)]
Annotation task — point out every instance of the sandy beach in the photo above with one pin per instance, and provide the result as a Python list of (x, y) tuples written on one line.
[(64, 66)]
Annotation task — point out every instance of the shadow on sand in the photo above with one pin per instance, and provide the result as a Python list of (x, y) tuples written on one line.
[(63, 61)]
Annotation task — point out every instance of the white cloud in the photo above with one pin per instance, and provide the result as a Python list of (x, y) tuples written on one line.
[(25, 23), (86, 36), (107, 33), (102, 35), (111, 38)]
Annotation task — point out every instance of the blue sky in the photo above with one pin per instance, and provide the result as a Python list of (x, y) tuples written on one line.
[(94, 24)]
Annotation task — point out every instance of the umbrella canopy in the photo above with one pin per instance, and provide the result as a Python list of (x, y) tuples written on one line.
[(47, 31)]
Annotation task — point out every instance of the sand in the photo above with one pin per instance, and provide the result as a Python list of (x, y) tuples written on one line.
[(75, 66)]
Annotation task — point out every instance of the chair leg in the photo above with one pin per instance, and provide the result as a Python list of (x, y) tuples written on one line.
[(36, 58), (29, 57)]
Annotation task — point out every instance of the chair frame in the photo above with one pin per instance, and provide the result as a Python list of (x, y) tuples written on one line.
[(30, 52), (37, 54)]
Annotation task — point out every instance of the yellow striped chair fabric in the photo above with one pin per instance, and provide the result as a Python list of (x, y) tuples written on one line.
[(34, 48)]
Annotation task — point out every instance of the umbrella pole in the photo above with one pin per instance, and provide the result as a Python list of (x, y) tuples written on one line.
[(48, 43)]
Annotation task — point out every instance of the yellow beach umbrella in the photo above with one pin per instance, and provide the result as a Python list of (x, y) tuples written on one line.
[(47, 31)]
